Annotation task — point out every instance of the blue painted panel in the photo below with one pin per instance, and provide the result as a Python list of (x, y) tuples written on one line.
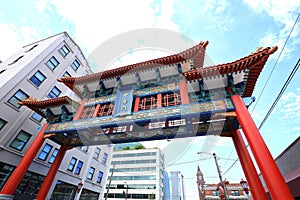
[(124, 102)]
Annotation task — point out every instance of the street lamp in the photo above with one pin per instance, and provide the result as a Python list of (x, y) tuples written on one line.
[(222, 183), (244, 185), (126, 193)]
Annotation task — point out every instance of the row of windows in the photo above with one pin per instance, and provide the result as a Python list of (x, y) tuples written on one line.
[(132, 186), (125, 162), (20, 95), (134, 154), (75, 165), (96, 153), (130, 196), (139, 169), (150, 177), (38, 78), (45, 153)]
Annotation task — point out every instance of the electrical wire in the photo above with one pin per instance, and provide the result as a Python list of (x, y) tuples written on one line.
[(267, 81), (295, 69), (287, 82), (290, 77)]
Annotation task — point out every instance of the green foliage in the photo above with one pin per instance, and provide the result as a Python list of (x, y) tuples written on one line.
[(139, 146), (126, 148)]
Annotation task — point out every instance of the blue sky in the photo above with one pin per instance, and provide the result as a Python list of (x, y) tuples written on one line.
[(233, 28)]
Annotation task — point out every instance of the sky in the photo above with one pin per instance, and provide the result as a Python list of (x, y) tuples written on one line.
[(234, 29)]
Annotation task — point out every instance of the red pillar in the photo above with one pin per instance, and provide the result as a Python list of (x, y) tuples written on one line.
[(255, 184), (183, 92), (159, 100), (79, 110), (136, 104), (51, 174), (269, 170), (96, 110), (17, 176)]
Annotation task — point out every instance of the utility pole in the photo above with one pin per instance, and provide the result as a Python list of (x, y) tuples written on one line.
[(112, 173), (220, 176)]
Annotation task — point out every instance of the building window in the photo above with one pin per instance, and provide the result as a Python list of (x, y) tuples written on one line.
[(64, 51), (2, 123), (91, 173), (20, 141), (52, 157), (235, 193), (5, 172), (64, 190), (55, 92), (215, 193), (72, 164), (84, 148), (104, 158), (29, 186), (78, 168), (148, 102), (100, 175), (75, 65), (97, 152), (66, 74), (87, 112), (106, 109), (37, 78), (36, 116), (52, 63), (45, 152), (17, 97)]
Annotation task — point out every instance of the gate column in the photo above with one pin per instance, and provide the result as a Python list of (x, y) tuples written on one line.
[(18, 174), (42, 194), (255, 184), (269, 170)]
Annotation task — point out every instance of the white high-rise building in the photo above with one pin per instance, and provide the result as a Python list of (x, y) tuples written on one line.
[(136, 174), (177, 186), (33, 72)]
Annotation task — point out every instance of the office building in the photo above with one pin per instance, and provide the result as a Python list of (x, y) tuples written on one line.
[(177, 186), (136, 174), (33, 72)]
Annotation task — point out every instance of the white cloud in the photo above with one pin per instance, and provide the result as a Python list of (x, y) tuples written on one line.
[(290, 106), (284, 14), (97, 21), (11, 45)]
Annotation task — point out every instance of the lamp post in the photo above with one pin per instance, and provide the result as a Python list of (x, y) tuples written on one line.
[(244, 185), (222, 183), (126, 193)]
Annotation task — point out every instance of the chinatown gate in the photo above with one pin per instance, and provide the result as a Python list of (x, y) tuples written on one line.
[(164, 98)]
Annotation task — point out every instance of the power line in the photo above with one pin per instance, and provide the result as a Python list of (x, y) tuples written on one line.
[(290, 77), (295, 69), (287, 82), (267, 81)]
